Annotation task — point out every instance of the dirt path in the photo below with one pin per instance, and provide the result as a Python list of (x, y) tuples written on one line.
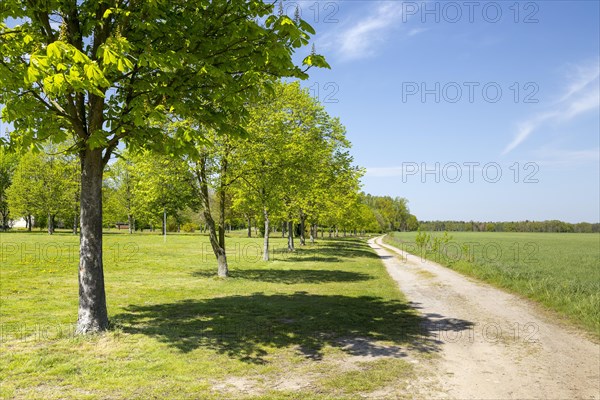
[(493, 344)]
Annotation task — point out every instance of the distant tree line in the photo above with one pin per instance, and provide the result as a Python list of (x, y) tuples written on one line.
[(391, 213), (518, 226)]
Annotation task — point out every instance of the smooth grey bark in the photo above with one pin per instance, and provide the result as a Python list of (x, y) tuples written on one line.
[(218, 250), (50, 224), (92, 314), (266, 237), (164, 222), (290, 236), (223, 174), (302, 226), (130, 223), (221, 232)]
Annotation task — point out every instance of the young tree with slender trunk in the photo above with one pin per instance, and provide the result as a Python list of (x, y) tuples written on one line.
[(213, 177)]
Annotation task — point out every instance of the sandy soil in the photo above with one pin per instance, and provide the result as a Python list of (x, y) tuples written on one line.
[(493, 345)]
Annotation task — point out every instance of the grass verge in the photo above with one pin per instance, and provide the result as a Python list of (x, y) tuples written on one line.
[(325, 321)]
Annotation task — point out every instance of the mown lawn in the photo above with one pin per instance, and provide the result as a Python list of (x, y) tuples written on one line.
[(559, 270), (323, 322)]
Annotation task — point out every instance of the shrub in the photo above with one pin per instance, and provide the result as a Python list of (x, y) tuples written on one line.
[(188, 227)]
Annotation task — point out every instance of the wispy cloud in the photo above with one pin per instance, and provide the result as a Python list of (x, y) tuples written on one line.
[(581, 95), (416, 31), (361, 38)]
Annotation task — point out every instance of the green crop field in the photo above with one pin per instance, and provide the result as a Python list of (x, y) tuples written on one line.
[(271, 330), (561, 271)]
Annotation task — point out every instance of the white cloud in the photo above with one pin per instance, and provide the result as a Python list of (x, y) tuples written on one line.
[(583, 76), (581, 96), (416, 31), (360, 39)]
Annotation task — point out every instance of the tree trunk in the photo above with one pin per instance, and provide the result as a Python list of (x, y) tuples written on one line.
[(222, 223), (249, 227), (223, 176), (50, 224), (75, 225), (130, 223), (218, 250), (222, 267), (283, 229), (29, 222), (5, 221), (302, 223), (92, 315), (222, 236), (290, 235), (164, 222), (266, 237)]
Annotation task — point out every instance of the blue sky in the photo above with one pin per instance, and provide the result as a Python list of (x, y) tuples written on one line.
[(469, 88), (472, 110)]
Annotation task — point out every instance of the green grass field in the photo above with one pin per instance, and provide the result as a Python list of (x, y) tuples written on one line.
[(561, 271), (308, 325)]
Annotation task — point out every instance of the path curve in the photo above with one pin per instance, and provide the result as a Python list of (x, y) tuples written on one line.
[(506, 350)]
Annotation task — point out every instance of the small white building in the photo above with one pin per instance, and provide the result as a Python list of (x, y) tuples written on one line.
[(20, 223)]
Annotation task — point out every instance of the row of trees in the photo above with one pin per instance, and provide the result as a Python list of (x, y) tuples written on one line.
[(141, 189), (40, 187), (519, 226), (184, 86), (145, 75), (292, 171)]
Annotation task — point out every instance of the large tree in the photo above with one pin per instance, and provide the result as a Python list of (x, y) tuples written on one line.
[(106, 72)]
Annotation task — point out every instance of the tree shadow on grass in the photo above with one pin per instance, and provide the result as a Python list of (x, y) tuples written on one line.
[(246, 327), (326, 251), (290, 277)]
